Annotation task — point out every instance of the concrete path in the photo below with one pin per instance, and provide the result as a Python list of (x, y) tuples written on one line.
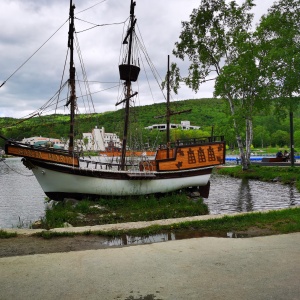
[(203, 268)]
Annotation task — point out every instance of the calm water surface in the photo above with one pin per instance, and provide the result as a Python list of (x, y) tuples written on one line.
[(22, 199)]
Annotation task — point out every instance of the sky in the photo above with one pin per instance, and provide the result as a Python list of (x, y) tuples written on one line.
[(25, 25)]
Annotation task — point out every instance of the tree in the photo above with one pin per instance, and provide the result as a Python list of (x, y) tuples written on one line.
[(297, 137), (280, 138), (278, 36), (261, 137), (240, 82), (210, 40)]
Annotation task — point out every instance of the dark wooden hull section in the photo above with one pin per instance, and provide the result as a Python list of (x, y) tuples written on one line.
[(42, 154)]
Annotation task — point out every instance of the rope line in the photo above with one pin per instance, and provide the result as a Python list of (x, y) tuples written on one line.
[(90, 7), (15, 170), (98, 25), (32, 54)]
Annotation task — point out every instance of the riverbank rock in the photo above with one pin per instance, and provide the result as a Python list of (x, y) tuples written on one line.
[(36, 224), (71, 201)]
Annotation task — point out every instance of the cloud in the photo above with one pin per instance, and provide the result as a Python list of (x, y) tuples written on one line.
[(26, 25)]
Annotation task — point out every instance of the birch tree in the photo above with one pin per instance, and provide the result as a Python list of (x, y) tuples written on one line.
[(210, 40), (241, 80), (278, 36)]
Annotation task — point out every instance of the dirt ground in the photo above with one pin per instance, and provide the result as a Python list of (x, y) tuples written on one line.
[(29, 245)]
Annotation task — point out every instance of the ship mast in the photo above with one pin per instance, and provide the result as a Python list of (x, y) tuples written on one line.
[(72, 97), (168, 108), (169, 112), (129, 73)]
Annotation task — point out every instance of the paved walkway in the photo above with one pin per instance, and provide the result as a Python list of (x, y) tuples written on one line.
[(203, 268)]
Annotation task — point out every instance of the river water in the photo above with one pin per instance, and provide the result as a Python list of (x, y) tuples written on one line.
[(22, 199)]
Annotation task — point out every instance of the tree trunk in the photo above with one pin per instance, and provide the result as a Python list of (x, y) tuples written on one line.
[(239, 141), (249, 138)]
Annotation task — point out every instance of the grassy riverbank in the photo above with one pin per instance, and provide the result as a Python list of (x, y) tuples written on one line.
[(285, 175), (121, 210), (243, 225)]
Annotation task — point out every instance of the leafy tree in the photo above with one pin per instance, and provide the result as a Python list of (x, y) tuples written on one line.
[(280, 138), (211, 40), (297, 137), (278, 37), (239, 81), (261, 137)]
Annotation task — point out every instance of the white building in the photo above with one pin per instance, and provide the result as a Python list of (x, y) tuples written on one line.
[(99, 140), (185, 125)]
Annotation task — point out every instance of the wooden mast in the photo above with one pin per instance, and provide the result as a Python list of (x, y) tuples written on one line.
[(72, 97), (128, 85), (169, 112), (168, 108)]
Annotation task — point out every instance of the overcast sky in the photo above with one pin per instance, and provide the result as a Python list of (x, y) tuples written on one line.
[(27, 24)]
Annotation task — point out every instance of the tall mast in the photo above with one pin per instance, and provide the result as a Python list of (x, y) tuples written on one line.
[(127, 73), (169, 113), (72, 97), (168, 108)]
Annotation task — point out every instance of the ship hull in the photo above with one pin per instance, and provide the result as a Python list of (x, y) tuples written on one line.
[(59, 182)]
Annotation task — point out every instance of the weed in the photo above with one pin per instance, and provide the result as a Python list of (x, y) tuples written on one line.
[(5, 235)]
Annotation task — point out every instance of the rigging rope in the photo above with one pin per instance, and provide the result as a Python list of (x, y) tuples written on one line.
[(85, 80), (90, 7), (3, 161), (62, 79), (98, 25), (32, 54)]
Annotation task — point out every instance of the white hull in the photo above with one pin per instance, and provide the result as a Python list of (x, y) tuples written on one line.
[(55, 182)]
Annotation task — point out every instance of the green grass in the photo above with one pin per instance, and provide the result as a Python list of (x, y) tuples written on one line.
[(287, 175), (273, 222), (121, 210), (5, 235)]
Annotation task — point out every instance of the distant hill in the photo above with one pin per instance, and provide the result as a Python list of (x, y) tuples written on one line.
[(208, 112), (205, 113)]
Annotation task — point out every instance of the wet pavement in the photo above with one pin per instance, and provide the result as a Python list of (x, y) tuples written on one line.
[(199, 268)]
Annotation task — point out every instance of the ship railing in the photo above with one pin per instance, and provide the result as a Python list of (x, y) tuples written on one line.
[(194, 141), (96, 165)]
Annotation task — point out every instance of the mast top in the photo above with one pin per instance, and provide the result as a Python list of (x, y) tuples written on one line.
[(128, 70)]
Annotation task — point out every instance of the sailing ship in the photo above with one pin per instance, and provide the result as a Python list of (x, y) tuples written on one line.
[(177, 165)]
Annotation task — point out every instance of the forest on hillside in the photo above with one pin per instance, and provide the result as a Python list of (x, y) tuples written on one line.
[(209, 114)]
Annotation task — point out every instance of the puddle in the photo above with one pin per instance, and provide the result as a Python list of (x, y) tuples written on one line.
[(163, 237), (234, 235)]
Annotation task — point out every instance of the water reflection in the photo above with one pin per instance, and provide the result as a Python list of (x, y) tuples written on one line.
[(162, 237), (21, 197), (293, 200), (139, 240), (229, 195), (244, 197)]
